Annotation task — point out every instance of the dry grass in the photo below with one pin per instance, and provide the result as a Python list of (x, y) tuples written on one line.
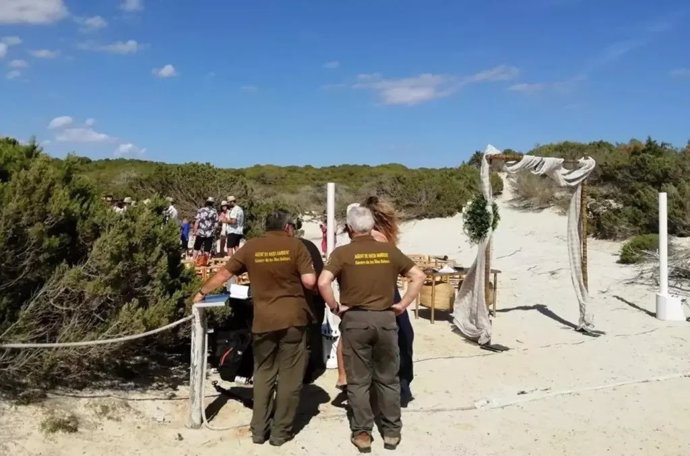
[(538, 192), (60, 421)]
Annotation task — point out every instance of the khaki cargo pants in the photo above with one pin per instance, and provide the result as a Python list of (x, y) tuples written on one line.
[(372, 361), (280, 358)]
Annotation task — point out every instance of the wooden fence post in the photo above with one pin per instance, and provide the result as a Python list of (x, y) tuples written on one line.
[(196, 372), (583, 217)]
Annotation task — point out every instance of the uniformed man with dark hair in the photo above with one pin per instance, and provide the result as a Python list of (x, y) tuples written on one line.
[(280, 269), (367, 273)]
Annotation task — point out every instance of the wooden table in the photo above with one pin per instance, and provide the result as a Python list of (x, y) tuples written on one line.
[(433, 275), (494, 288), (459, 274)]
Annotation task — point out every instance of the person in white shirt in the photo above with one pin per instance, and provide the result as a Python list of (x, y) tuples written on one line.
[(171, 211), (224, 220), (235, 227)]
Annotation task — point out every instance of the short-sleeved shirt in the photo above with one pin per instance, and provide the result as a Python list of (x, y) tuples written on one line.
[(238, 227), (208, 219), (367, 272), (171, 214), (275, 263)]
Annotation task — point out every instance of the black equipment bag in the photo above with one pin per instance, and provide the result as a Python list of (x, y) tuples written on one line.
[(233, 352)]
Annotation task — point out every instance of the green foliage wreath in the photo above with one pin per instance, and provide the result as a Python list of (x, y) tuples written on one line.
[(477, 219)]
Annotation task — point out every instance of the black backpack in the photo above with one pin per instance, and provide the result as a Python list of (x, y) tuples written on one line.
[(233, 354)]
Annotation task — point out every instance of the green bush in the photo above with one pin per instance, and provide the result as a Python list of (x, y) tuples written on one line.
[(72, 269), (634, 250)]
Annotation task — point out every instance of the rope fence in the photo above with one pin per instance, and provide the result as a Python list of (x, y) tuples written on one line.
[(87, 343)]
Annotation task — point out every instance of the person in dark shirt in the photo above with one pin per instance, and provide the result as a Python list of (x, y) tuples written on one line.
[(280, 270), (316, 363)]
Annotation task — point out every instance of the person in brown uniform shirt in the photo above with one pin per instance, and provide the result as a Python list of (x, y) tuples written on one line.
[(280, 269), (366, 271)]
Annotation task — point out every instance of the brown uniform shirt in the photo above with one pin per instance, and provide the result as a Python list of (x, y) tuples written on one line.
[(275, 263), (367, 272)]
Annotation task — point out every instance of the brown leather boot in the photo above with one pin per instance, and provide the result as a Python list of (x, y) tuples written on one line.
[(362, 440), (391, 443)]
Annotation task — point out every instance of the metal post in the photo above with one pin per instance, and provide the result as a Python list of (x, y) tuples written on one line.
[(668, 307), (330, 218), (663, 245)]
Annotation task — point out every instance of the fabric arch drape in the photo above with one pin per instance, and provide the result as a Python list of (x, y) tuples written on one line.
[(471, 315)]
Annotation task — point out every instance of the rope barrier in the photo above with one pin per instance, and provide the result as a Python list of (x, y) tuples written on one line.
[(86, 343)]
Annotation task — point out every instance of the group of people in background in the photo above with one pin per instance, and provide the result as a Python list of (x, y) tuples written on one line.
[(220, 231), (120, 206), (212, 231), (375, 362)]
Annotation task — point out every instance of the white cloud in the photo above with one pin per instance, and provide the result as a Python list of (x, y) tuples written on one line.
[(168, 71), (44, 53), (14, 74), (132, 5), (249, 89), (525, 87), (499, 73), (60, 122), (563, 86), (32, 11), (426, 87), (681, 73), (90, 122), (18, 64), (90, 24), (128, 150), (11, 40), (82, 135), (332, 65), (119, 47), (3, 50)]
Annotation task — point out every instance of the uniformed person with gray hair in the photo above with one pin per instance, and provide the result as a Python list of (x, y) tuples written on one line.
[(367, 273)]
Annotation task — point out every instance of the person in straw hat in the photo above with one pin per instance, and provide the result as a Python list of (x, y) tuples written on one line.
[(224, 219), (235, 225)]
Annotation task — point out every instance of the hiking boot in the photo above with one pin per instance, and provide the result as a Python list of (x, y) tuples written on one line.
[(362, 440), (276, 442), (259, 439), (391, 443)]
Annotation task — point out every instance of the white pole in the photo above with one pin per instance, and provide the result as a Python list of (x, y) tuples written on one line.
[(667, 307), (196, 371), (663, 246), (330, 218)]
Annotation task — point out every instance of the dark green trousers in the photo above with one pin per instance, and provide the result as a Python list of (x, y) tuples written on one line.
[(372, 361), (280, 358)]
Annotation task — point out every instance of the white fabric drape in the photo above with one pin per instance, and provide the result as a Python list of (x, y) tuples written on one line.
[(471, 315)]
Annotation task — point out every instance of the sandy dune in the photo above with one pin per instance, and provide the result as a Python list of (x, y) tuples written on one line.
[(537, 309)]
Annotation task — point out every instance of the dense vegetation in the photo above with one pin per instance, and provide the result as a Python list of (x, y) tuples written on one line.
[(416, 193), (71, 270), (623, 189)]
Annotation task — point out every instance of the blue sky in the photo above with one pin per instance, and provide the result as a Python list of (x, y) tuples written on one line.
[(423, 83)]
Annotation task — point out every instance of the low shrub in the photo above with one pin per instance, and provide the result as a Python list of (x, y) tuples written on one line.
[(634, 250), (60, 422)]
